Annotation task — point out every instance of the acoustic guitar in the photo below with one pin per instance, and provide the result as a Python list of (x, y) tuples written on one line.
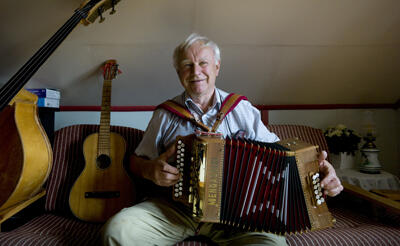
[(104, 187), (25, 151)]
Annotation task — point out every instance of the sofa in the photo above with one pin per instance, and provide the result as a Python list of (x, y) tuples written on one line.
[(52, 222)]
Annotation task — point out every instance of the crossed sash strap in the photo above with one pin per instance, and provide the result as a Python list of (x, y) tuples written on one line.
[(230, 102)]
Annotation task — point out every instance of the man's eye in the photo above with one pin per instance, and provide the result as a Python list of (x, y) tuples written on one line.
[(203, 63)]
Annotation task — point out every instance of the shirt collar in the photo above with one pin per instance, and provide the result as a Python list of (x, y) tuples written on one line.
[(190, 103)]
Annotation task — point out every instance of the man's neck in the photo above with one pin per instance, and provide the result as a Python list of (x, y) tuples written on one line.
[(204, 102)]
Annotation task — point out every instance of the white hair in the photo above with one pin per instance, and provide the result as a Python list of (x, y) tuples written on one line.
[(193, 38)]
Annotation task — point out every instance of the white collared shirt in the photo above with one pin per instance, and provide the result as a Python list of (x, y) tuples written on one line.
[(164, 126)]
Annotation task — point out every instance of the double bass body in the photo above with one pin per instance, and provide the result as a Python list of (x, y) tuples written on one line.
[(25, 151)]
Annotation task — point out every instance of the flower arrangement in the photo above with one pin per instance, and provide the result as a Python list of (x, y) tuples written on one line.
[(342, 139)]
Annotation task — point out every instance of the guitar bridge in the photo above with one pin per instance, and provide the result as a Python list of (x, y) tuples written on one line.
[(102, 194)]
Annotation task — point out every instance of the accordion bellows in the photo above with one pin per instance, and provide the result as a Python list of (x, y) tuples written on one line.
[(249, 185)]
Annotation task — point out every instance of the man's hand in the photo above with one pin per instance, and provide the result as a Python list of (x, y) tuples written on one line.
[(164, 174), (330, 183), (157, 170)]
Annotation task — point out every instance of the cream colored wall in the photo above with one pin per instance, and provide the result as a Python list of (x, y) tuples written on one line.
[(273, 51)]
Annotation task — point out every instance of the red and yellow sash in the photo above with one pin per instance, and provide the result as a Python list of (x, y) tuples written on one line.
[(230, 102)]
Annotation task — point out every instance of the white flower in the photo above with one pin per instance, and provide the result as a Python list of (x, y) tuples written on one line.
[(341, 127)]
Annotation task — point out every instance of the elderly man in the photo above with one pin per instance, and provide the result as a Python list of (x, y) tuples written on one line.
[(158, 221)]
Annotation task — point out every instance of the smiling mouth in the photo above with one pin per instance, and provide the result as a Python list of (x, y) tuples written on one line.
[(196, 80)]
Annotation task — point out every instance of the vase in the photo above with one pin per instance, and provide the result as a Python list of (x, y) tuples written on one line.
[(343, 161)]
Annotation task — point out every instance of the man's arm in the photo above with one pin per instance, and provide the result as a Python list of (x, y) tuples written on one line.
[(157, 170)]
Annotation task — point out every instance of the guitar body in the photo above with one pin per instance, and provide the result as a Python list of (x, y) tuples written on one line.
[(25, 151), (100, 192)]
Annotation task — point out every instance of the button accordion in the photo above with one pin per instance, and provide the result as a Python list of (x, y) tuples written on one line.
[(249, 185)]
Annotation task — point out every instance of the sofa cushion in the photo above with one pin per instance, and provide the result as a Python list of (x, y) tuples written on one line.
[(51, 230)]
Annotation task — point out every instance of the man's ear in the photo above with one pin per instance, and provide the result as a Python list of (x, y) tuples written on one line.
[(218, 65)]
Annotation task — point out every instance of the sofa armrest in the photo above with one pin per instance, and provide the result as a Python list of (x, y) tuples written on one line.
[(375, 200)]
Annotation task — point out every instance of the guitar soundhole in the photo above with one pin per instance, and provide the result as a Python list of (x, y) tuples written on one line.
[(103, 161)]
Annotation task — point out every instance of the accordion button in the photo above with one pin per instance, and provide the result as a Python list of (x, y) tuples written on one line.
[(316, 192), (180, 193), (322, 199), (176, 194), (319, 202), (180, 188), (179, 141)]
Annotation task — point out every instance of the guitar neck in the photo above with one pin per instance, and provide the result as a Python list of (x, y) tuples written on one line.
[(104, 131)]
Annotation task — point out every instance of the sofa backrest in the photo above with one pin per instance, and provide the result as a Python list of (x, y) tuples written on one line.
[(68, 161), (308, 134)]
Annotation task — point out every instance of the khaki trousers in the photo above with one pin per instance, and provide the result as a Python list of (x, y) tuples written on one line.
[(157, 222)]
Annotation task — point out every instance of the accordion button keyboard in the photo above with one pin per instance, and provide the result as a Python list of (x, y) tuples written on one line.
[(317, 190)]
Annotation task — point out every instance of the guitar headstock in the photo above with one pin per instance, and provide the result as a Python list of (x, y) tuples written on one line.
[(96, 8), (110, 70)]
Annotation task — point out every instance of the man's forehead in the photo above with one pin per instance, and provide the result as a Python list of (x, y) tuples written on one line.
[(204, 53)]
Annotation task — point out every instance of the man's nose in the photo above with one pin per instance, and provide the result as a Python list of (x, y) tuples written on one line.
[(196, 69)]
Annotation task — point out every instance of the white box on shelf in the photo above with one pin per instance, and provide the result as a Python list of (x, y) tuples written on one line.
[(45, 92), (48, 102)]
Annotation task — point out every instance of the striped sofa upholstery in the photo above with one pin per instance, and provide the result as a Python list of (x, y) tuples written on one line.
[(57, 226)]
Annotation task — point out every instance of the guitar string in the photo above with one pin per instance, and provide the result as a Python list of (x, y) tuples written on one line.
[(12, 87), (50, 42), (30, 66), (27, 71)]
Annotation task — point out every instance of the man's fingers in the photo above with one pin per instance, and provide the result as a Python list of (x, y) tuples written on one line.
[(168, 153), (167, 178), (170, 169), (333, 192), (322, 157), (331, 183)]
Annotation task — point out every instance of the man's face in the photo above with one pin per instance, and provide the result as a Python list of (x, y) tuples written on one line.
[(198, 70)]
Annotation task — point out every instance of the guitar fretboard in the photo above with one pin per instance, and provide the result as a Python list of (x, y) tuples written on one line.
[(104, 131)]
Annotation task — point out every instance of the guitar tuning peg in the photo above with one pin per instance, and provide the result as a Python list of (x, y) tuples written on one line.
[(113, 7), (100, 12)]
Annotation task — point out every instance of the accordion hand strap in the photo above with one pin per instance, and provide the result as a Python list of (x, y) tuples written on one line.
[(230, 102), (182, 112)]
